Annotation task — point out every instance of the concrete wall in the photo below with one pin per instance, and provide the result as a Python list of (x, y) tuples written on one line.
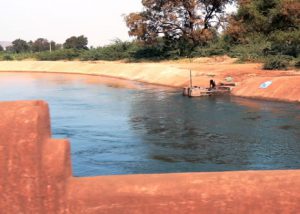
[(35, 177), (285, 88)]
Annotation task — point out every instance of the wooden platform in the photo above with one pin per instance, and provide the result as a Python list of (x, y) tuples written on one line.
[(197, 91)]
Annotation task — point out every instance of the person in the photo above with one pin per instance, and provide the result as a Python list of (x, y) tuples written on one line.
[(212, 84)]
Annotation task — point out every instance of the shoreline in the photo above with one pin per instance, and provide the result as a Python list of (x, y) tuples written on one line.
[(175, 74), (93, 75)]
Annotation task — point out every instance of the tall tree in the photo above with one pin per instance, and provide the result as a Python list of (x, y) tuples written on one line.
[(1, 48), (20, 46), (56, 46), (74, 42), (194, 21), (277, 22), (265, 17), (40, 45)]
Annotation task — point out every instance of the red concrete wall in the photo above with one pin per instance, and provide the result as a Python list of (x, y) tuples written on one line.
[(35, 177), (33, 167), (284, 88)]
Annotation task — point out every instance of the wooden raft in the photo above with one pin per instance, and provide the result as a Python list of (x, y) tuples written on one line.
[(196, 91)]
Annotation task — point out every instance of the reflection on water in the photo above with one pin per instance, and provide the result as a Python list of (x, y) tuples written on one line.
[(132, 128)]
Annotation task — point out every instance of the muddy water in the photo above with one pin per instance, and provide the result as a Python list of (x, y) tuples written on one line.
[(120, 127)]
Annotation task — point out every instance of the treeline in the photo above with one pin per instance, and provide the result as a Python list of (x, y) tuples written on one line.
[(265, 31), (41, 49), (75, 48)]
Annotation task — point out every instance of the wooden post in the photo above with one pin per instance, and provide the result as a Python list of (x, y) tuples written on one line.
[(191, 81)]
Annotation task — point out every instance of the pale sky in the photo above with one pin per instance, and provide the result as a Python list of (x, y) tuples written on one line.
[(100, 20)]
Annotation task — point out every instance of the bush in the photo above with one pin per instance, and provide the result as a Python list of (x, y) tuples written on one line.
[(276, 63), (286, 42), (115, 51), (297, 63), (208, 51), (65, 54), (7, 57), (22, 56), (254, 49), (148, 52)]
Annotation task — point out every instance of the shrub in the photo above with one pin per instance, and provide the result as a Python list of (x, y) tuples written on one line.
[(7, 57), (22, 56), (149, 52), (208, 51), (253, 50), (115, 51), (297, 63), (286, 42), (65, 54), (276, 63)]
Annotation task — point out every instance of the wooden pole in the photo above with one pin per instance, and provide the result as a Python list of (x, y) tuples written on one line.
[(191, 81)]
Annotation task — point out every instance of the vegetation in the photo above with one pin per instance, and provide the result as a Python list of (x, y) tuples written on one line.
[(297, 63), (265, 31), (42, 44), (116, 51), (7, 57), (19, 46), (79, 43), (189, 21), (275, 62), (63, 54), (269, 29)]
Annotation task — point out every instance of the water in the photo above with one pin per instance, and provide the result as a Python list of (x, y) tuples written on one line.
[(130, 128)]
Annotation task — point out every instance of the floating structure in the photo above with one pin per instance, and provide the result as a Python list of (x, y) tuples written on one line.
[(196, 91), (221, 89)]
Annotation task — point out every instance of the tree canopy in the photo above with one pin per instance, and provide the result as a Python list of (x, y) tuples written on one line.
[(276, 22), (265, 17), (1, 48), (194, 21), (40, 45), (19, 46), (74, 42)]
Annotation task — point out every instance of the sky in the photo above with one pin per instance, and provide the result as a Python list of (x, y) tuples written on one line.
[(102, 21)]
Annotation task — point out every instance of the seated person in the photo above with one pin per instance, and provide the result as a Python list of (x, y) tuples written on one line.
[(212, 84)]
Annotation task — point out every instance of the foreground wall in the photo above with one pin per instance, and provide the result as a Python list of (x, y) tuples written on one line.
[(35, 177)]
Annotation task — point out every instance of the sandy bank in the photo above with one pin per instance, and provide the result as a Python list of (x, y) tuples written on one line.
[(285, 87)]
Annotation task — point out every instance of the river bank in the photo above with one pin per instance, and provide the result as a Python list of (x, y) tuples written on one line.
[(285, 84)]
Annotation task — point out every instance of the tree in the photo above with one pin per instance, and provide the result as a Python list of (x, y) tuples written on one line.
[(74, 42), (1, 48), (192, 21), (56, 46), (9, 48), (276, 22), (264, 17), (20, 46), (40, 45)]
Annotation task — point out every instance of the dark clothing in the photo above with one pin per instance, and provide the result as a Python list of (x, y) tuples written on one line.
[(212, 84)]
